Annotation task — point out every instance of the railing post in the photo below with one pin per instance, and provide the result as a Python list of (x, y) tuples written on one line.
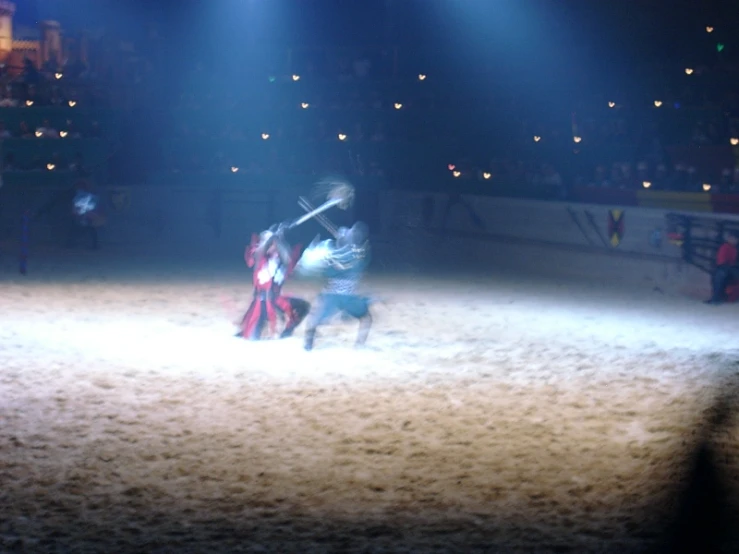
[(23, 261), (687, 241)]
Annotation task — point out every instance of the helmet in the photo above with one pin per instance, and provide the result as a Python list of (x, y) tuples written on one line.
[(343, 236), (359, 233)]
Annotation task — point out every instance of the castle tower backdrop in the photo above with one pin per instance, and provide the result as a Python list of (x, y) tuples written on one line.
[(7, 10)]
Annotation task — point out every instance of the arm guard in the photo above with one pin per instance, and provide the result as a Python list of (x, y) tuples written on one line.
[(283, 250), (295, 257), (350, 257), (251, 250)]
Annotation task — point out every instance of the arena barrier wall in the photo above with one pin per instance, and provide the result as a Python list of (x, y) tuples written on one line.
[(627, 245), (412, 231), (199, 221)]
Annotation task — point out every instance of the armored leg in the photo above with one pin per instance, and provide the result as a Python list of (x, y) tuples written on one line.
[(365, 324), (310, 336), (299, 309)]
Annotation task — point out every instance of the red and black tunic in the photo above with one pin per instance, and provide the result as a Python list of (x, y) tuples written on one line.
[(269, 275)]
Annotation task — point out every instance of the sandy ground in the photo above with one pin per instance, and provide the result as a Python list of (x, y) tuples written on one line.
[(485, 415)]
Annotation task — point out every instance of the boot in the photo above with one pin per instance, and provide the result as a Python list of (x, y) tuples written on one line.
[(310, 335), (365, 324), (301, 310)]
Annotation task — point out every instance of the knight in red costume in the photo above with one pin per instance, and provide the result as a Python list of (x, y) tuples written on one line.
[(272, 261)]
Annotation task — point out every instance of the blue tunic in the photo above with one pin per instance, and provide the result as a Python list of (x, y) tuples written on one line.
[(347, 264)]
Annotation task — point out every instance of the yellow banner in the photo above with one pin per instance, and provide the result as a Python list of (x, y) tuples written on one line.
[(668, 200), (615, 227)]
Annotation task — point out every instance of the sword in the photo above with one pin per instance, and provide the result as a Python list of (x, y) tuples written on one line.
[(320, 218), (316, 211), (340, 194)]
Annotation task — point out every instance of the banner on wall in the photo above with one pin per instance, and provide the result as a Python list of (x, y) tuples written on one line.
[(615, 227)]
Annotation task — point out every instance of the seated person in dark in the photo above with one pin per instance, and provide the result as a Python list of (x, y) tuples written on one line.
[(727, 270)]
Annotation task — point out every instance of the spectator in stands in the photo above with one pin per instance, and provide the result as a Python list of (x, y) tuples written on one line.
[(51, 65), (679, 178), (76, 69), (656, 153), (47, 130), (617, 177), (31, 93), (30, 73), (551, 180), (24, 131), (57, 98), (72, 131), (700, 138), (378, 135), (600, 179), (358, 133), (727, 271), (692, 184), (4, 133), (37, 164), (7, 100), (627, 177), (362, 66), (58, 161), (9, 162), (661, 176), (642, 172), (725, 183)]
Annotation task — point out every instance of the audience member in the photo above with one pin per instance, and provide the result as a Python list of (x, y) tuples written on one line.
[(726, 271)]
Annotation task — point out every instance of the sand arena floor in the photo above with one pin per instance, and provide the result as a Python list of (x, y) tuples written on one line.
[(490, 415)]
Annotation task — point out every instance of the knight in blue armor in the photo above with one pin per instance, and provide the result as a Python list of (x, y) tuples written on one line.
[(345, 262)]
